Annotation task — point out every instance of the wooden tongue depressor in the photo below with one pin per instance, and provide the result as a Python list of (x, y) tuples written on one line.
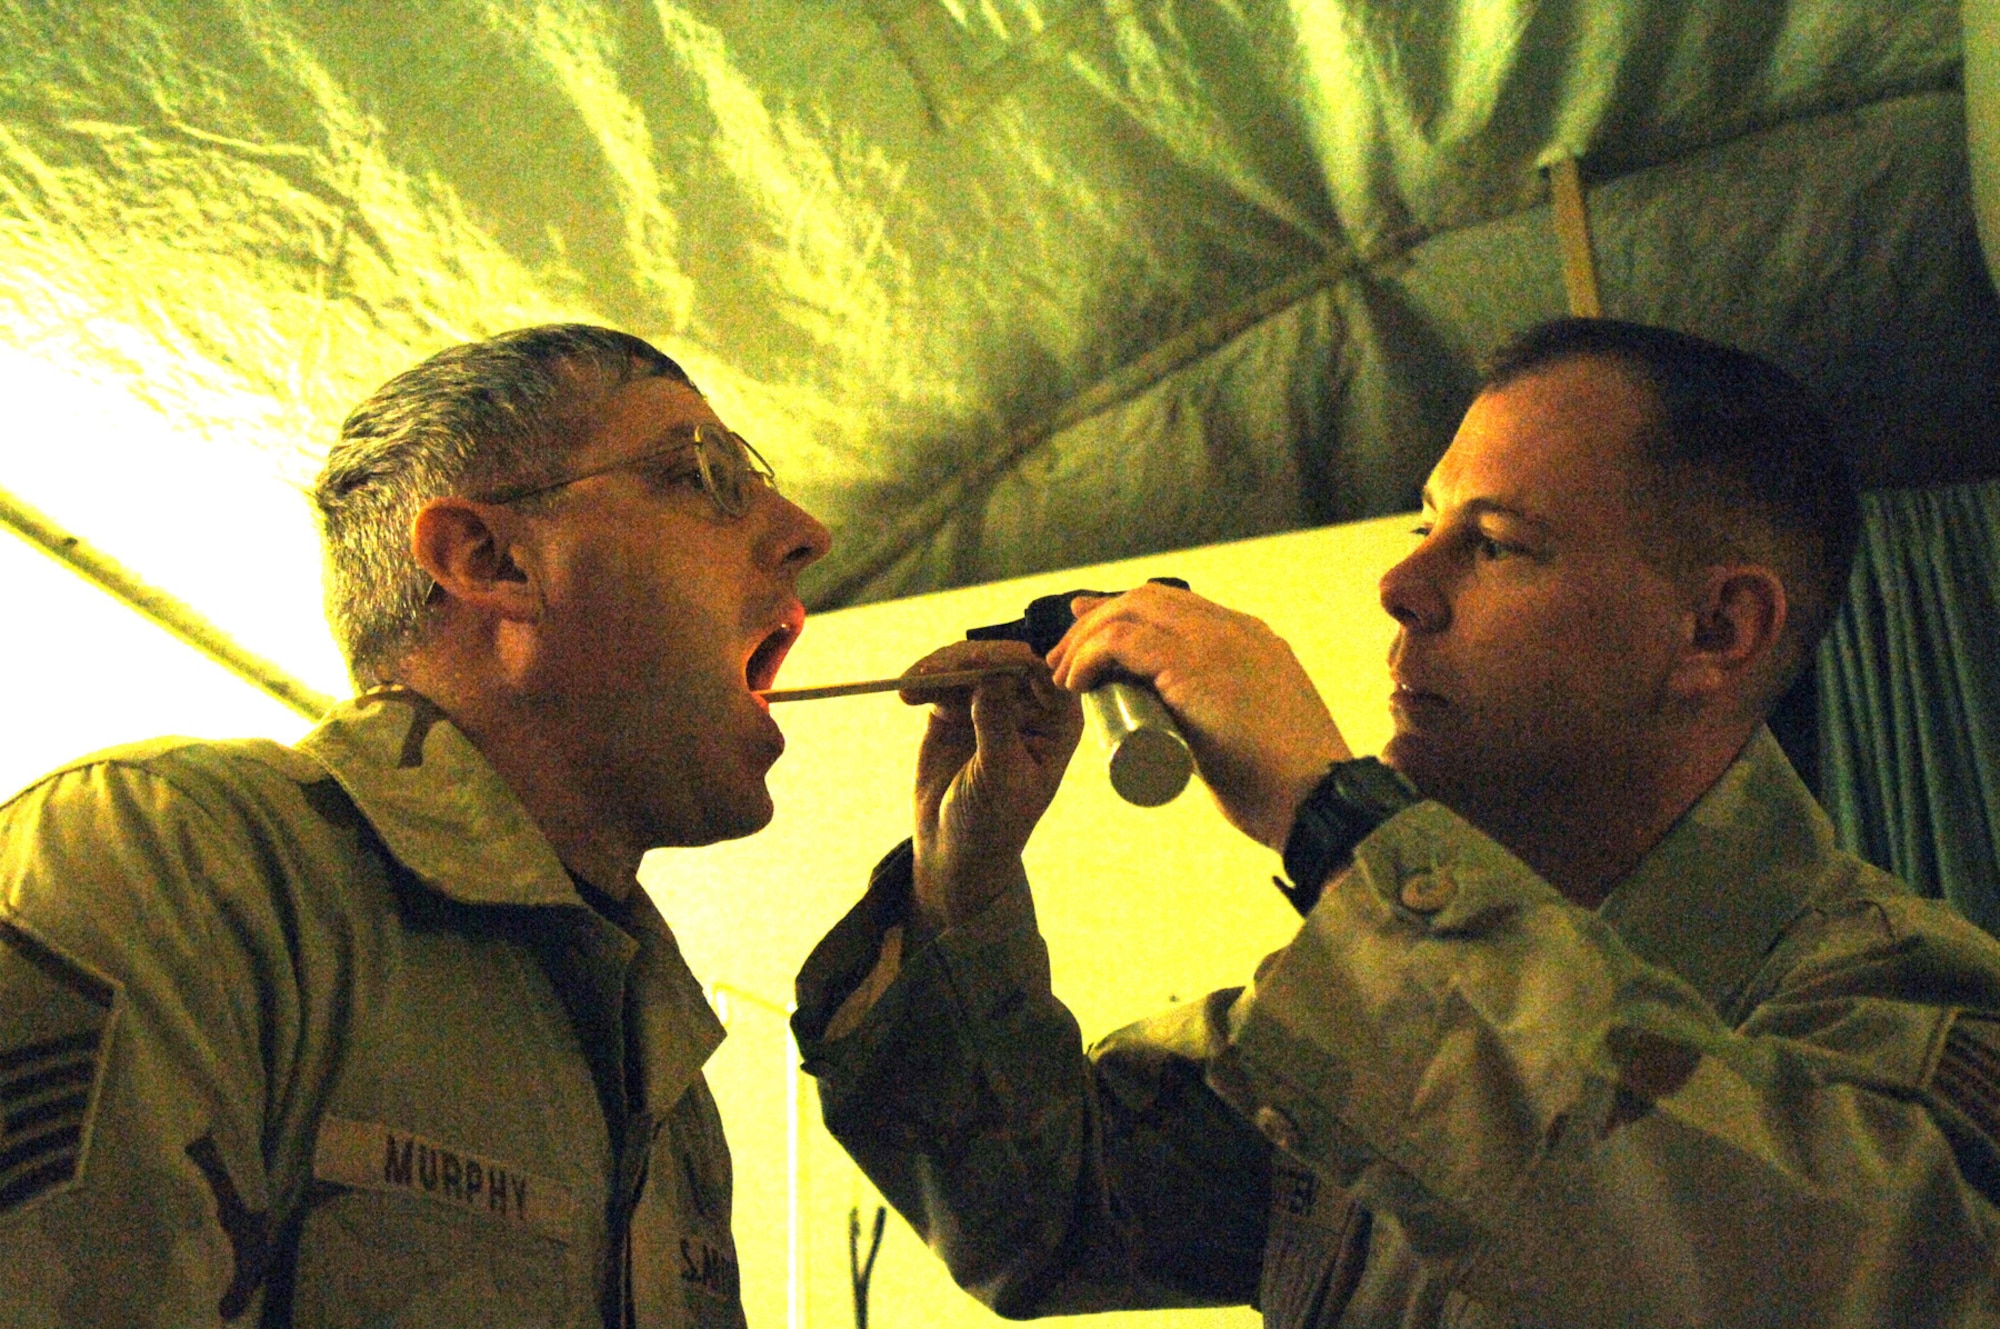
[(927, 682)]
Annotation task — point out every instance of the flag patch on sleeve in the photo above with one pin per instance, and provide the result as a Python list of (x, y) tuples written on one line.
[(54, 1020), (1968, 1071)]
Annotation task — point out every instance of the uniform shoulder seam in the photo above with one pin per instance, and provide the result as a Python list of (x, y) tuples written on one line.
[(178, 763)]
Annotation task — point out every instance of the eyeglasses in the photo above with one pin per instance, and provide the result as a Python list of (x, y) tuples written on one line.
[(732, 472)]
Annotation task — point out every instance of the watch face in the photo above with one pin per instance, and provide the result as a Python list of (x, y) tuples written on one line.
[(1353, 799), (1379, 789)]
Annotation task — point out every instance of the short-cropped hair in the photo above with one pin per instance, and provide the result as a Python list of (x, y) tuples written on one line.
[(504, 410), (1740, 464)]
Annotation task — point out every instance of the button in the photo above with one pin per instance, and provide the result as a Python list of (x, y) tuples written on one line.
[(1428, 892), (1274, 1125)]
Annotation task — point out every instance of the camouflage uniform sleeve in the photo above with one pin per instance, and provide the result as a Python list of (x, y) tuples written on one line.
[(132, 1188), (1573, 1136), (1048, 1180)]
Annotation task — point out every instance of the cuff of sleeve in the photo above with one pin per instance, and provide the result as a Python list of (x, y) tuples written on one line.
[(845, 956), (979, 988)]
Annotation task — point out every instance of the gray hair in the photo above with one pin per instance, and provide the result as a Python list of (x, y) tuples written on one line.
[(504, 409)]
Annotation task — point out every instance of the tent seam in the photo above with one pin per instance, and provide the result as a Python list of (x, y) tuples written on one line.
[(1203, 338)]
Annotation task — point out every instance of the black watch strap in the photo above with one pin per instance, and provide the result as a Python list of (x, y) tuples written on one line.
[(1351, 799)]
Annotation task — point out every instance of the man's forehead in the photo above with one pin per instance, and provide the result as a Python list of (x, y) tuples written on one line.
[(1546, 443), (641, 413)]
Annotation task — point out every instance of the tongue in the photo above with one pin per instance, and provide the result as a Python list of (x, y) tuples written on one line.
[(762, 669)]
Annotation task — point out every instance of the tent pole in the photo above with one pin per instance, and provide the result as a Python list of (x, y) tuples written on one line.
[(176, 616), (1573, 234)]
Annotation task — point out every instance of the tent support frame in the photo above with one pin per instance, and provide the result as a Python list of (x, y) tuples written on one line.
[(169, 612)]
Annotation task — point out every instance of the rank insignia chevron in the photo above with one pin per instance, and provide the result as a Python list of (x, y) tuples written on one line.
[(53, 1019)]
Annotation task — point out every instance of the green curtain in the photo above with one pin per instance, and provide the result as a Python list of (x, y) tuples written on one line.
[(1909, 695)]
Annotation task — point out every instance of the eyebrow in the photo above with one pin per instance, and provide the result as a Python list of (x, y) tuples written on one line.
[(670, 435), (1480, 506)]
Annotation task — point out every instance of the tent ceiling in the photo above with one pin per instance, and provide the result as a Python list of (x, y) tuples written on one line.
[(1001, 285)]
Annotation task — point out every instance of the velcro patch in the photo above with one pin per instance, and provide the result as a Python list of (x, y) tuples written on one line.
[(368, 1157), (55, 1018)]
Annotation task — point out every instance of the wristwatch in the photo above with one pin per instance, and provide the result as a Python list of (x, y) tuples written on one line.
[(1351, 799)]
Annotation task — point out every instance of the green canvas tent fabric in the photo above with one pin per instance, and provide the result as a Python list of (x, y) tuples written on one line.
[(1000, 286)]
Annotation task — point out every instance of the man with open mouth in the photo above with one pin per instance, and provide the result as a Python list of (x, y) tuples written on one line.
[(381, 1029)]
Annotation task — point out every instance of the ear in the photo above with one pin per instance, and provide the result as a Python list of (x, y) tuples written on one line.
[(1734, 627), (468, 550)]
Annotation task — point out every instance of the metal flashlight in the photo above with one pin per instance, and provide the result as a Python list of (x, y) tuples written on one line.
[(1145, 754)]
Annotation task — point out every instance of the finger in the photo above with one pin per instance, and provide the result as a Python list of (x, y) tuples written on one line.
[(1160, 611), (948, 739), (960, 655), (1046, 697), (970, 722), (1051, 719), (1117, 645), (996, 715), (1080, 608), (951, 696)]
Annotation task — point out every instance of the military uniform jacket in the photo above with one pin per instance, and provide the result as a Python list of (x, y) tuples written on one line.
[(1756, 1086), (326, 1037)]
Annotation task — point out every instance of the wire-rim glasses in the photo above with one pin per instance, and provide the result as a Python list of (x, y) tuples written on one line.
[(732, 471)]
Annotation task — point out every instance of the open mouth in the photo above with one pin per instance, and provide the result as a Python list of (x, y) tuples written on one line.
[(761, 670)]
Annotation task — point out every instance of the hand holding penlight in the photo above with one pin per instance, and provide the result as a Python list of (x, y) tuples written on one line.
[(1148, 759)]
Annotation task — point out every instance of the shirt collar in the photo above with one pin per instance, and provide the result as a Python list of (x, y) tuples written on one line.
[(442, 810), (678, 1029), (448, 817), (1712, 898)]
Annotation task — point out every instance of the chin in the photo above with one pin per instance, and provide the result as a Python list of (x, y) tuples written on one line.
[(1406, 754), (732, 819), (1435, 774), (754, 820)]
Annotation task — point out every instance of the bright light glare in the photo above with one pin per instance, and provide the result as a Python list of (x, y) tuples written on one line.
[(193, 506), (82, 671)]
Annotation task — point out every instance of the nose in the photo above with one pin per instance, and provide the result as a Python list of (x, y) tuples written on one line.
[(1411, 593), (796, 537)]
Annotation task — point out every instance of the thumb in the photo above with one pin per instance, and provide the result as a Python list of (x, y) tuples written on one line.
[(996, 719)]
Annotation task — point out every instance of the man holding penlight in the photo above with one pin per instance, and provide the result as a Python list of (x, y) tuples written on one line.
[(381, 1029), (1589, 1021)]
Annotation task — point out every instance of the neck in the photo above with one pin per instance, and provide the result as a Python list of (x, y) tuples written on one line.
[(1583, 848), (559, 797), (556, 788), (1586, 836)]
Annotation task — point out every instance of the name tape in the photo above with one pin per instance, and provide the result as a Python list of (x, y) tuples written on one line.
[(371, 1157)]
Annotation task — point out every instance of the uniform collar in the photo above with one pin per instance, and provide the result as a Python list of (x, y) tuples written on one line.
[(678, 1030), (1712, 898), (439, 806), (448, 817)]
